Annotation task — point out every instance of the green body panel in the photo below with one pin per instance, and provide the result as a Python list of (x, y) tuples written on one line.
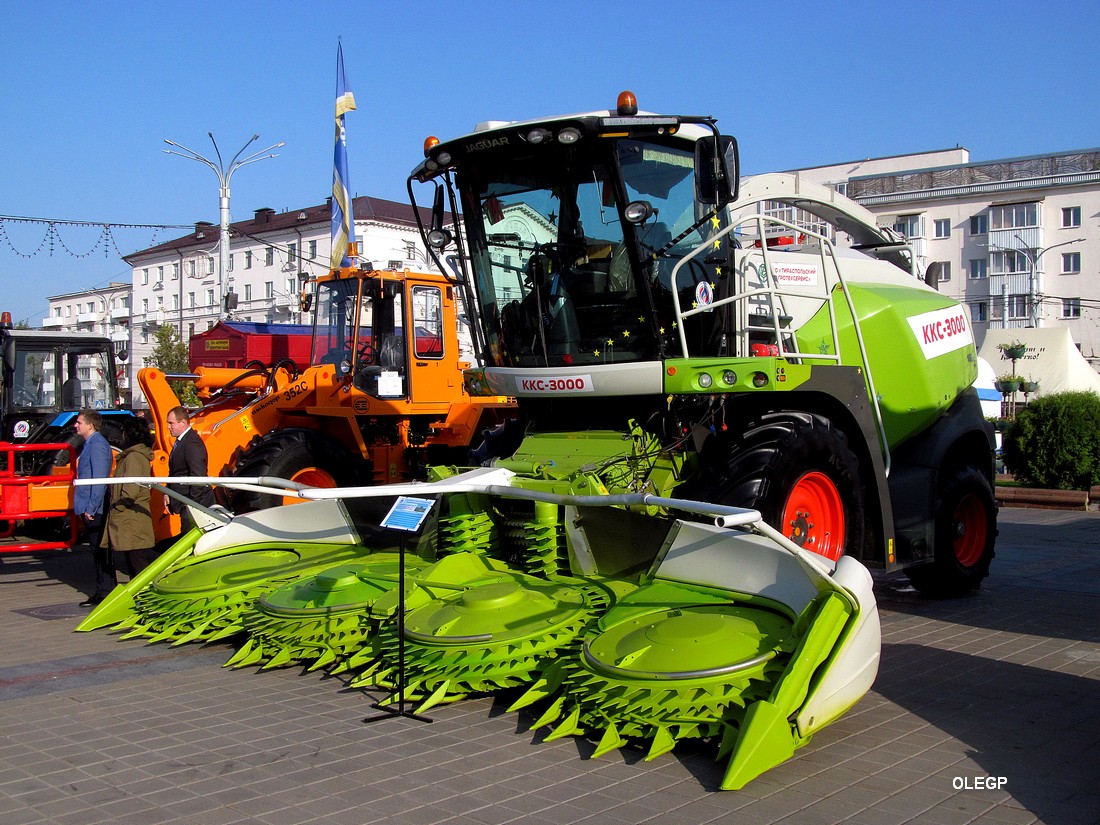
[(918, 373)]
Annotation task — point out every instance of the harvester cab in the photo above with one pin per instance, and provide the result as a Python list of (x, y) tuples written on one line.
[(772, 339)]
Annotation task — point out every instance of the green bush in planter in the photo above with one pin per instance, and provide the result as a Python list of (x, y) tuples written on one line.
[(1055, 442)]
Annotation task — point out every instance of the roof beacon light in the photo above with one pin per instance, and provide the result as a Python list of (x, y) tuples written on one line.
[(430, 142), (627, 104), (5, 320)]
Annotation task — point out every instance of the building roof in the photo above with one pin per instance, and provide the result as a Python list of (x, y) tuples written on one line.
[(265, 221)]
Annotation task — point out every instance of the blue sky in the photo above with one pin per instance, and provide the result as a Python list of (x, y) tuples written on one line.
[(91, 90)]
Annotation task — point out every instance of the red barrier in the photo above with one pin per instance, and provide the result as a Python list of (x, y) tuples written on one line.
[(26, 498)]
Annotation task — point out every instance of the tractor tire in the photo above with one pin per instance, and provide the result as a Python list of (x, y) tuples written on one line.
[(800, 474), (305, 456), (966, 530)]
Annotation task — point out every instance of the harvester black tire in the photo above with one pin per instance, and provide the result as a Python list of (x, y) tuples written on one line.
[(966, 531), (289, 453), (778, 458)]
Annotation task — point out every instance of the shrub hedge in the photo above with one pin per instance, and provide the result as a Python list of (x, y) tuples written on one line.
[(1055, 442)]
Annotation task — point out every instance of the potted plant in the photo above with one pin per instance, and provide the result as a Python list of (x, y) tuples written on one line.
[(1013, 349), (1007, 384), (1028, 386)]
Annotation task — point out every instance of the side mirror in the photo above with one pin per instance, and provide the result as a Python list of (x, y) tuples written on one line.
[(438, 237), (306, 302), (717, 170)]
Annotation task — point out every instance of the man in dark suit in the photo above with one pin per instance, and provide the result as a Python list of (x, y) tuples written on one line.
[(188, 458)]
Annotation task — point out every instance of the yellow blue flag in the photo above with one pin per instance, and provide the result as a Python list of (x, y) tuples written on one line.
[(343, 224)]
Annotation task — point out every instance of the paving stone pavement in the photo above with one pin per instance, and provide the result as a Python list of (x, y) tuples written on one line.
[(1004, 683)]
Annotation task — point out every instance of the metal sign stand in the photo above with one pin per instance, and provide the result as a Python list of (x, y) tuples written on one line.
[(406, 516)]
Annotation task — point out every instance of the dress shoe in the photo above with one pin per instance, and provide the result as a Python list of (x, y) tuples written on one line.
[(91, 601)]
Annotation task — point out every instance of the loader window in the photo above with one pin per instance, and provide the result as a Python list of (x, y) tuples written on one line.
[(427, 321)]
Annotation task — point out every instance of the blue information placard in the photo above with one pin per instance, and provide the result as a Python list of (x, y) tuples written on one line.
[(408, 513)]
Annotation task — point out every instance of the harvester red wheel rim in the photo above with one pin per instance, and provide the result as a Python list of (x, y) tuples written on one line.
[(813, 517), (314, 477), (970, 529)]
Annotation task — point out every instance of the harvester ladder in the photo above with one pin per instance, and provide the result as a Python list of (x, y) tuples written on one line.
[(774, 300)]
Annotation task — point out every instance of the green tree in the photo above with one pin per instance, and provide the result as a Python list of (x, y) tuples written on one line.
[(170, 356), (1055, 442)]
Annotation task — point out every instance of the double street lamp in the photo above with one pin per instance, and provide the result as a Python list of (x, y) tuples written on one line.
[(1033, 290), (224, 173)]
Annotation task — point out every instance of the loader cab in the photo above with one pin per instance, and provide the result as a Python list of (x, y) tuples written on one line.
[(571, 229), (360, 329)]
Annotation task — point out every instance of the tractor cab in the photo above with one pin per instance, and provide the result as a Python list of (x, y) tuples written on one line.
[(49, 377)]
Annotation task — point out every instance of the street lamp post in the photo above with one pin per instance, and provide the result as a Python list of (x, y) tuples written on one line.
[(1033, 290), (224, 173)]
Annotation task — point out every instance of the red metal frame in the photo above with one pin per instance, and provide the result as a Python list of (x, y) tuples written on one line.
[(15, 497)]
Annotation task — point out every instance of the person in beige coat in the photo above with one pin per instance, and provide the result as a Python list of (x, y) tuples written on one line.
[(128, 531)]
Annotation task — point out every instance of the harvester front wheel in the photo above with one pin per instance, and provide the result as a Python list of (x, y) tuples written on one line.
[(304, 456), (799, 472), (966, 529)]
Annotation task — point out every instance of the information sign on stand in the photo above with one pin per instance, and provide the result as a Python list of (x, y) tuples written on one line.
[(406, 516)]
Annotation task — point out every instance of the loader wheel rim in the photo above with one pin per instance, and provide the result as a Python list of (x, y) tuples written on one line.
[(813, 517), (314, 477), (970, 530)]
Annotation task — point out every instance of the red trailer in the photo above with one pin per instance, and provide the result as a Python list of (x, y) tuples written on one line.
[(234, 343)]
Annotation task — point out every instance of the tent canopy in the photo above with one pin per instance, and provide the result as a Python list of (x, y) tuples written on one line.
[(1051, 358)]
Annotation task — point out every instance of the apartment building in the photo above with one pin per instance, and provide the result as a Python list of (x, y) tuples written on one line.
[(1015, 239)]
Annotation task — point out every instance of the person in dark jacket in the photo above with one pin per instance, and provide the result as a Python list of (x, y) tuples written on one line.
[(128, 531), (94, 461), (188, 458)]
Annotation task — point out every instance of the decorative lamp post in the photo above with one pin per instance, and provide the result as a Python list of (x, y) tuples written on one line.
[(224, 173)]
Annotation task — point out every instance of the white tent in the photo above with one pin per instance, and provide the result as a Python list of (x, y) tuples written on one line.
[(1051, 358)]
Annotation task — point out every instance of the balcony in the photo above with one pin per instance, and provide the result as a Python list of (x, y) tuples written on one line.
[(120, 315), (53, 323), (1026, 238)]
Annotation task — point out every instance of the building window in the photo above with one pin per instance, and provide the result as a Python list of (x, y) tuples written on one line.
[(943, 228), (191, 300), (160, 274), (57, 312), (210, 297), (1014, 216), (1017, 306), (945, 270), (144, 277), (312, 250), (291, 285), (911, 226), (209, 265), (175, 272), (979, 224), (175, 302), (248, 292), (1071, 262), (979, 268), (269, 256), (248, 259), (191, 268), (269, 289), (145, 306), (1071, 216), (230, 263), (1009, 263), (190, 331), (979, 311), (1071, 307), (291, 252)]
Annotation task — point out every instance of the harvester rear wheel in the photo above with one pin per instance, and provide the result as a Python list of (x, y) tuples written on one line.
[(304, 456), (799, 472), (966, 528)]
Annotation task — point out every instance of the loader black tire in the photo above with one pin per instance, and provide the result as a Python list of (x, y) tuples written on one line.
[(800, 474), (965, 534), (305, 456)]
